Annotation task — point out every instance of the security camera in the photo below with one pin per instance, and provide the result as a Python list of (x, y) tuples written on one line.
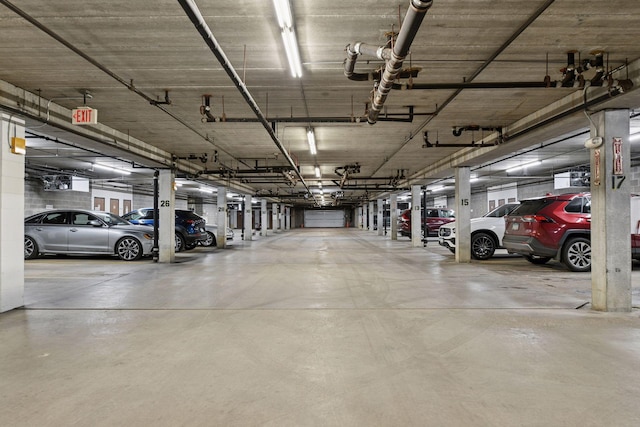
[(594, 142)]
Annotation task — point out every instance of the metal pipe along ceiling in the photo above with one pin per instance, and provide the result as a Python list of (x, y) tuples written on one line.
[(192, 11), (394, 57)]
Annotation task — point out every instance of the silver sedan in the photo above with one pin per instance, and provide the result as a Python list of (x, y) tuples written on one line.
[(85, 232)]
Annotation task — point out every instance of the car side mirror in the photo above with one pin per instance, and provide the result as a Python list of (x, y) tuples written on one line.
[(95, 223)]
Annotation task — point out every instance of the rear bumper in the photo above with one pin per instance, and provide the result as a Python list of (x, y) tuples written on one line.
[(193, 238), (524, 245)]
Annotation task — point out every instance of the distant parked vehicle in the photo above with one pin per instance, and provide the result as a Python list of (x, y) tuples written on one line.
[(431, 221), (82, 232), (190, 227), (486, 233), (212, 231)]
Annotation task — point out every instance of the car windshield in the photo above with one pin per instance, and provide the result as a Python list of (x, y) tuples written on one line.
[(111, 219), (188, 215), (531, 207), (501, 211), (447, 214)]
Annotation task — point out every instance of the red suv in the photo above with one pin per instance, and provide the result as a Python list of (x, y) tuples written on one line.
[(554, 226), (434, 218)]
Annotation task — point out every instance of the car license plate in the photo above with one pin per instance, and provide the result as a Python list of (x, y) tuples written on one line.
[(515, 226)]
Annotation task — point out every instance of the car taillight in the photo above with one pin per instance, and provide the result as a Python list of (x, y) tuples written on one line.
[(536, 218), (189, 221)]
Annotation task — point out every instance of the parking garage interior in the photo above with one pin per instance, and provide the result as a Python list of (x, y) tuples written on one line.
[(318, 310)]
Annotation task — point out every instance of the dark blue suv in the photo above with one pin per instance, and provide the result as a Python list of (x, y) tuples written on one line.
[(190, 228)]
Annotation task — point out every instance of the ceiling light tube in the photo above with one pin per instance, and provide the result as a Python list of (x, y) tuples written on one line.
[(525, 165), (318, 172), (111, 169), (283, 12), (206, 190), (291, 48), (312, 141)]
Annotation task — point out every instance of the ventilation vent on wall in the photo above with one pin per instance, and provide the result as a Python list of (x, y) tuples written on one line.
[(57, 182)]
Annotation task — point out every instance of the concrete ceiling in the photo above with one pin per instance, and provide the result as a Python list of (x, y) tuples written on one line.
[(128, 54)]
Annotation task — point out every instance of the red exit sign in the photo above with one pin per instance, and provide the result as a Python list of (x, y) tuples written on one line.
[(84, 116)]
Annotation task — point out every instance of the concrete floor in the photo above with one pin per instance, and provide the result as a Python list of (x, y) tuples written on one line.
[(316, 328)]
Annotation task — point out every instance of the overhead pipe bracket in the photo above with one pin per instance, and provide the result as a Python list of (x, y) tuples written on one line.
[(393, 57)]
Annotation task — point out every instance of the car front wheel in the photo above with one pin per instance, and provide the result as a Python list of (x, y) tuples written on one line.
[(129, 249), (482, 246), (576, 254), (30, 248)]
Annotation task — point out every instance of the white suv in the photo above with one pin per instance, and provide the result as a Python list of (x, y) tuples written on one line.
[(486, 232)]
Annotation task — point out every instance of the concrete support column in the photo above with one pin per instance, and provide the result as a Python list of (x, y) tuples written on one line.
[(463, 214), (166, 216), (274, 217), (263, 218), (281, 217), (223, 221), (287, 218), (380, 207), (11, 214), (371, 214), (248, 218), (394, 216), (416, 217), (610, 213)]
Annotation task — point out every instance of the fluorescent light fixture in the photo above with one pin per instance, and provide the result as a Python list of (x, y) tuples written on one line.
[(437, 188), (524, 165), (319, 184), (206, 190), (285, 21), (311, 137), (111, 168), (634, 137), (283, 11), (318, 172), (293, 54)]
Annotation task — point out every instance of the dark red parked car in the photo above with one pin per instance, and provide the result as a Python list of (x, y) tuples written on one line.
[(431, 221)]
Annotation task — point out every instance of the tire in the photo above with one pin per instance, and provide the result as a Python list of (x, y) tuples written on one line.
[(31, 250), (179, 243), (483, 246), (453, 250), (576, 254), (538, 260), (129, 249), (189, 246), (211, 240)]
